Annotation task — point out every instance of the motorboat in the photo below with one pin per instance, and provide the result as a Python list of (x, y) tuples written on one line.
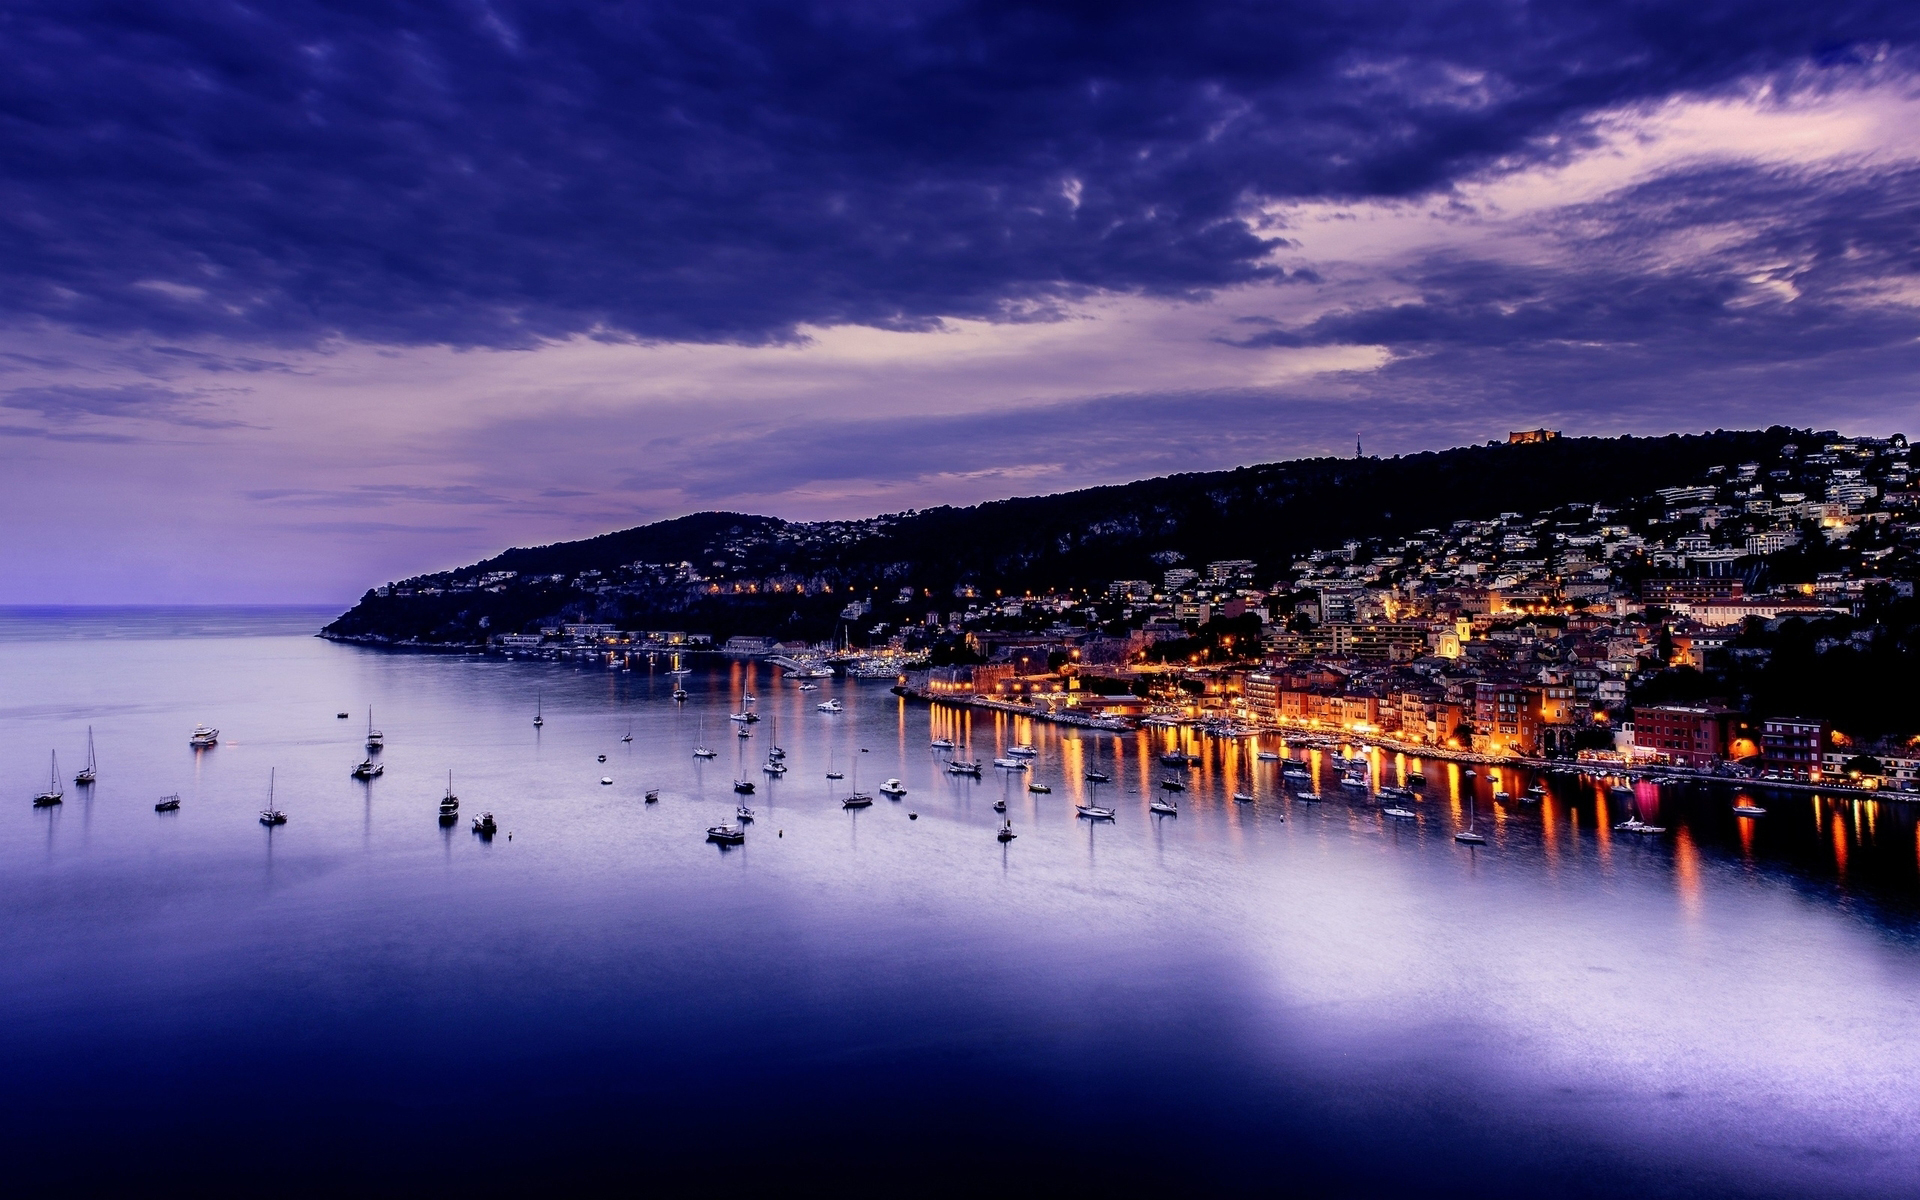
[(1179, 758), (1093, 812), (774, 766), (705, 752), (1536, 792), (836, 775), (743, 786), (748, 698), (375, 739), (1040, 789), (1309, 797), (168, 804), (941, 743), (606, 780), (1010, 764), (603, 758), (1501, 794), (829, 706), (745, 718), (54, 794), (1023, 751), (1400, 814), (999, 806), (681, 671), (653, 797), (485, 826), (202, 737), (680, 694), (1402, 793), (1621, 790), (1165, 808), (964, 768), (1357, 782), (1416, 780), (1267, 756), (91, 771), (1242, 798), (808, 687), (1173, 785), (1099, 777), (1636, 825), (1749, 810), (1296, 772), (745, 732), (894, 788), (727, 835), (1006, 833), (369, 769), (342, 716), (271, 815)]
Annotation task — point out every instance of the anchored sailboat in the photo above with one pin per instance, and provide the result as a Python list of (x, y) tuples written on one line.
[(91, 771), (53, 795)]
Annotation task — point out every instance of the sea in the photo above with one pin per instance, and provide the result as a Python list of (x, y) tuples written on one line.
[(1261, 997)]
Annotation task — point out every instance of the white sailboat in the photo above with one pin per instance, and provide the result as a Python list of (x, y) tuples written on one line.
[(539, 717), (375, 739), (271, 816), (91, 771)]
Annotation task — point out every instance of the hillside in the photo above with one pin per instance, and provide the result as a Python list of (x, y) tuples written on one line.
[(724, 573)]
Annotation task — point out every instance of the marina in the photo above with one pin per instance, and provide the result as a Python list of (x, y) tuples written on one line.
[(558, 860)]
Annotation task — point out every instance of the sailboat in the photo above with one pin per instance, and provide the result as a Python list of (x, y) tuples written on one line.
[(375, 739), (856, 798), (1006, 831), (1470, 835), (539, 718), (53, 795), (449, 804), (271, 816), (91, 771), (629, 736), (701, 749), (741, 783)]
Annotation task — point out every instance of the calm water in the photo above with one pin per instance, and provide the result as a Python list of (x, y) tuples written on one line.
[(1265, 998)]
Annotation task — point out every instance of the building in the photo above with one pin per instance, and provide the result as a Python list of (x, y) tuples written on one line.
[(1694, 590), (741, 644), (1527, 436), (1685, 735), (1791, 746)]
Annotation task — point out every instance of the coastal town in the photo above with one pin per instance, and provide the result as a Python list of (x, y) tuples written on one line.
[(1552, 636)]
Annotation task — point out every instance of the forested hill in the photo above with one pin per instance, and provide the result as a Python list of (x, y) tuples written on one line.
[(729, 572)]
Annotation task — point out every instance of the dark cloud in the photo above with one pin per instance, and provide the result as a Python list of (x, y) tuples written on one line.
[(496, 173), (61, 403)]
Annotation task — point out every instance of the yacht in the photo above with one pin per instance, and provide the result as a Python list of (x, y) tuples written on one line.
[(270, 815), (1399, 793), (53, 795), (1309, 797), (1093, 812), (1242, 798), (828, 706), (1267, 756), (368, 769), (91, 771), (745, 718), (727, 835), (1621, 790), (1099, 777), (681, 671), (168, 803), (1166, 808), (964, 768), (744, 813), (1006, 833), (1179, 758), (375, 739), (808, 687), (1296, 772), (748, 698), (1023, 751), (202, 737), (743, 786), (1749, 810), (1173, 785), (1416, 780), (1400, 814), (705, 752), (836, 774), (894, 788), (941, 743), (485, 826), (1636, 825), (1040, 789), (774, 766), (1501, 794), (1010, 764), (857, 800), (999, 806)]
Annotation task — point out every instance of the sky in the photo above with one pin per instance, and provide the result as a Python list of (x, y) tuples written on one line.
[(299, 298)]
